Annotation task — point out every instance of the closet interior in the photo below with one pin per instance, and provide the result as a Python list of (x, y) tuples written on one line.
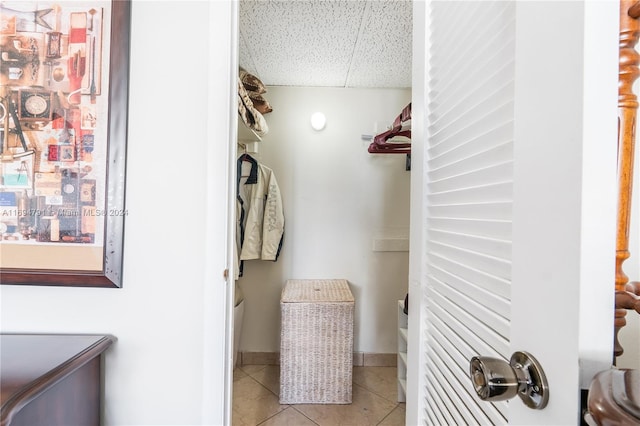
[(344, 202)]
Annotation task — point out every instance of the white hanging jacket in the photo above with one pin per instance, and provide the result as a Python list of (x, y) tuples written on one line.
[(260, 216)]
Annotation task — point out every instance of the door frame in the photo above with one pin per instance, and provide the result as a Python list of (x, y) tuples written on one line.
[(417, 242), (212, 393)]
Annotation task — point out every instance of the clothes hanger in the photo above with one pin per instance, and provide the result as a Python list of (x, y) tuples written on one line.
[(381, 144), (246, 158)]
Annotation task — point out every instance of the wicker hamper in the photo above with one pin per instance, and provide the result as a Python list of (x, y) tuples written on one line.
[(316, 342)]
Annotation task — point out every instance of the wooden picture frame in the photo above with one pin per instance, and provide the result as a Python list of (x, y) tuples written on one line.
[(62, 223)]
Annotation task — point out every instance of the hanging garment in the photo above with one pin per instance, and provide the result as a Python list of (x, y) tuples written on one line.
[(260, 217)]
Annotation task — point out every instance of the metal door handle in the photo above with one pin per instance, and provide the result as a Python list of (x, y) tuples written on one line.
[(496, 380)]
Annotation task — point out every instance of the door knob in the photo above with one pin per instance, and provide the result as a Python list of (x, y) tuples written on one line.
[(496, 380)]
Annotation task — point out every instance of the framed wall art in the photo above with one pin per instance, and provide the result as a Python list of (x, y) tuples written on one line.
[(64, 72)]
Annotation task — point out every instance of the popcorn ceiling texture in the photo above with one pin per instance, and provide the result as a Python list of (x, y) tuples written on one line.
[(327, 43)]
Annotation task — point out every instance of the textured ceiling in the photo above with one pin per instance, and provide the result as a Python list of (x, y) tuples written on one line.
[(333, 43)]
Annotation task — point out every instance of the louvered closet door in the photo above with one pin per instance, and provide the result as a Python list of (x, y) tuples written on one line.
[(519, 187), (469, 185)]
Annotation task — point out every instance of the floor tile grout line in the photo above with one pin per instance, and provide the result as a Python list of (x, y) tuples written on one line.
[(388, 414), (395, 400), (276, 414), (305, 416), (285, 407), (273, 393)]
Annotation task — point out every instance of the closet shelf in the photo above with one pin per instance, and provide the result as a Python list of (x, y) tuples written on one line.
[(403, 385), (403, 326), (403, 333), (246, 135)]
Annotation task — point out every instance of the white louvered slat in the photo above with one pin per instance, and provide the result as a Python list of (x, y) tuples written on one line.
[(489, 228), (489, 246), (488, 175), (469, 185), (489, 139), (467, 341), (480, 261), (431, 417), (500, 210), (499, 305), (457, 52), (481, 313), (500, 191), (482, 120), (457, 377), (492, 284), (452, 402), (443, 404), (476, 92), (453, 374), (470, 325), (501, 153)]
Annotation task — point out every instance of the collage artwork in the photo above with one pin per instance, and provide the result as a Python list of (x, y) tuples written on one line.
[(54, 111)]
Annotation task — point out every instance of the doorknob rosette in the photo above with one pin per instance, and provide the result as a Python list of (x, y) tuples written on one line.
[(496, 380)]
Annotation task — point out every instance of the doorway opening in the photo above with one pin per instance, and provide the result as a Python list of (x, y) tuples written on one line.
[(346, 211)]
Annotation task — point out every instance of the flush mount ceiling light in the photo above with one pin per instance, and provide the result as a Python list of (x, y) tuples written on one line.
[(318, 121)]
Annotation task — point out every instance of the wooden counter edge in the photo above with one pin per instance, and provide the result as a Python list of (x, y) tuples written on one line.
[(34, 389)]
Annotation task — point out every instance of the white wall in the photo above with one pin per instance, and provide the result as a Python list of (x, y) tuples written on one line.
[(337, 199), (166, 367)]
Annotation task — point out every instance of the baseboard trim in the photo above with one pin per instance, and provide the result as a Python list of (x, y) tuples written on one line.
[(360, 359)]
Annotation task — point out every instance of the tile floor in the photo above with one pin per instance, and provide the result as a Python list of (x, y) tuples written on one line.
[(255, 400)]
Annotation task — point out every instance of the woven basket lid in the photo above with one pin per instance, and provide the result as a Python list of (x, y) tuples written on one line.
[(333, 290)]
